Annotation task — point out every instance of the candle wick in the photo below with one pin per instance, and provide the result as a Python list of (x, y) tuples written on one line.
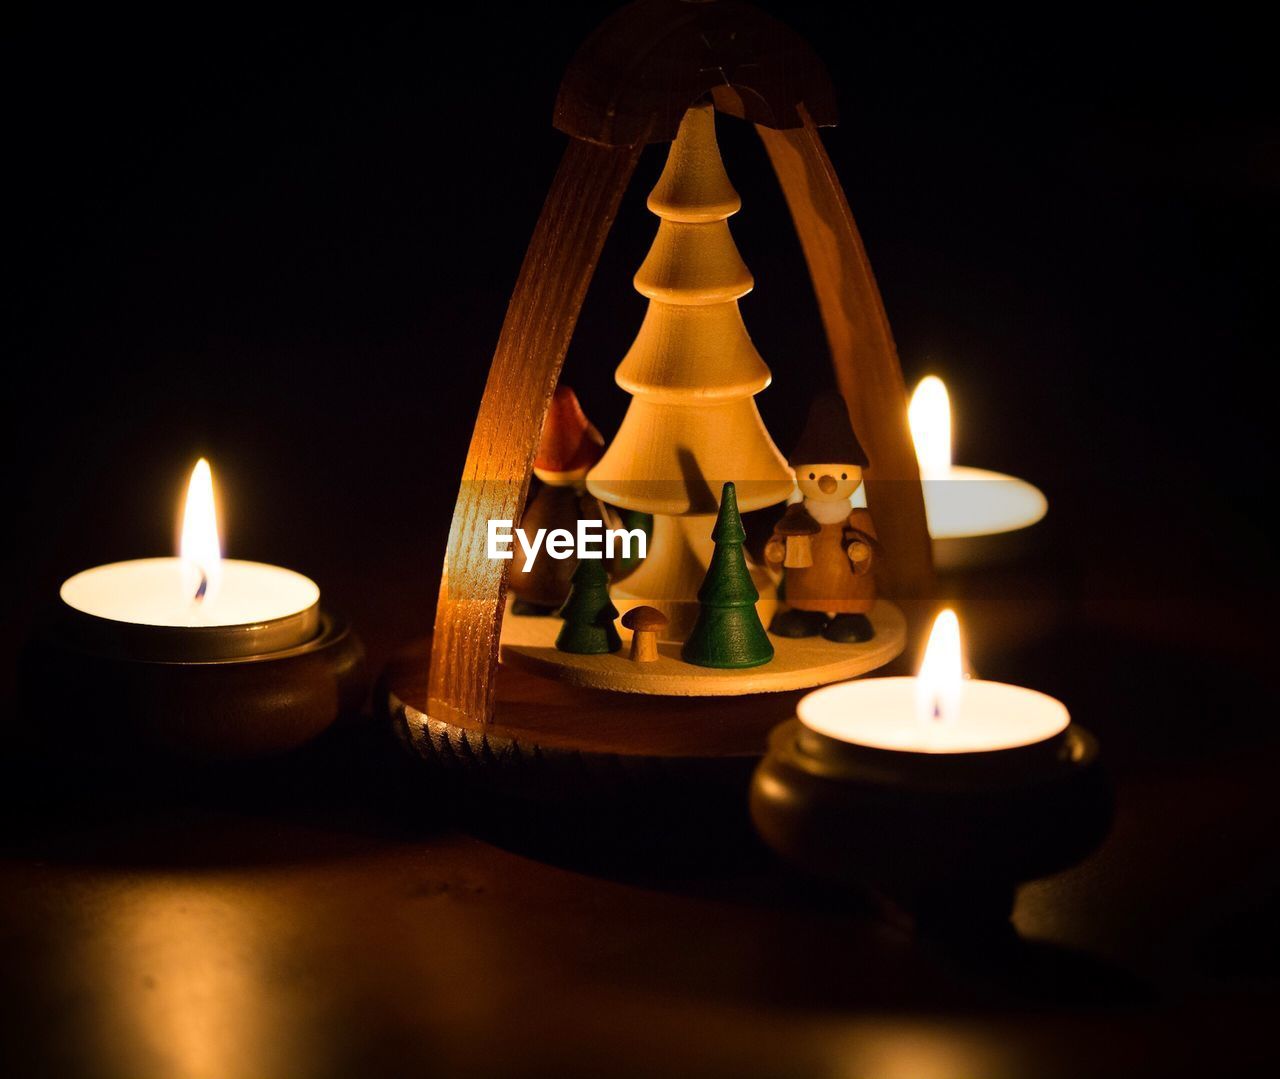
[(204, 586), (937, 710)]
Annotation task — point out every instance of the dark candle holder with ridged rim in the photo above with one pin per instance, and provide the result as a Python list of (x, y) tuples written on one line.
[(128, 698), (941, 839)]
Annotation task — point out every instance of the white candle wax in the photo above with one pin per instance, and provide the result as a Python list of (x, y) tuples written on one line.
[(964, 503), (198, 607), (148, 610), (882, 713), (157, 592), (964, 506)]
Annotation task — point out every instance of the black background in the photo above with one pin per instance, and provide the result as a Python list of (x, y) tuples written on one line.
[(286, 240)]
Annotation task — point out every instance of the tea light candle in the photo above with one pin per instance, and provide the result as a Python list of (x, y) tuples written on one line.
[(197, 607), (934, 795), (190, 660), (938, 711), (968, 509)]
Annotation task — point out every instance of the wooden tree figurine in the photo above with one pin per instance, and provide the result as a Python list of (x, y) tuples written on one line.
[(693, 373), (569, 446), (728, 632), (588, 613), (833, 594)]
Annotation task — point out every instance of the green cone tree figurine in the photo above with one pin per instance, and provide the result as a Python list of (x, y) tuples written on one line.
[(588, 612), (728, 632)]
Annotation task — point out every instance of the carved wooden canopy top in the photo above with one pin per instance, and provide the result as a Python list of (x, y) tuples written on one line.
[(635, 77)]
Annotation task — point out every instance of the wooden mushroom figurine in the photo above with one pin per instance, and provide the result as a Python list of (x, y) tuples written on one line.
[(644, 623), (794, 530)]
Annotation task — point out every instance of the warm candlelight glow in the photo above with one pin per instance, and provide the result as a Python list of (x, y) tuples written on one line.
[(938, 711), (198, 588), (929, 416), (200, 549), (962, 503), (938, 684)]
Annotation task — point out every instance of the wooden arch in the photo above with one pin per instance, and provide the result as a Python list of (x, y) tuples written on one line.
[(629, 84)]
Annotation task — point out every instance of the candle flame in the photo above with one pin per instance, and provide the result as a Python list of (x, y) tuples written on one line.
[(938, 684), (929, 416), (200, 550)]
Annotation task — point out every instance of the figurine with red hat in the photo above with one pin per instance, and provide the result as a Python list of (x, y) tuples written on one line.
[(570, 445), (834, 592)]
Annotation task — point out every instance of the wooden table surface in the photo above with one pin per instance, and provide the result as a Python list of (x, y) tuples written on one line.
[(332, 916)]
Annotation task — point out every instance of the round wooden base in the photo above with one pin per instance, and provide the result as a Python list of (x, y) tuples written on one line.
[(528, 644), (555, 741)]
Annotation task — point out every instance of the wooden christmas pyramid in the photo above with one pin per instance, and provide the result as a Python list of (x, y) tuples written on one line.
[(634, 82)]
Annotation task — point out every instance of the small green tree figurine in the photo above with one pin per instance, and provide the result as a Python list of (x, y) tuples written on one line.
[(588, 613), (728, 632)]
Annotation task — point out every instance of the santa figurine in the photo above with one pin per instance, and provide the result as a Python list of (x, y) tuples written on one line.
[(830, 587), (570, 445)]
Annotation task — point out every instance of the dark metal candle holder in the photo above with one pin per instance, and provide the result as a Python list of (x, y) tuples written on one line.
[(100, 704), (942, 838)]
